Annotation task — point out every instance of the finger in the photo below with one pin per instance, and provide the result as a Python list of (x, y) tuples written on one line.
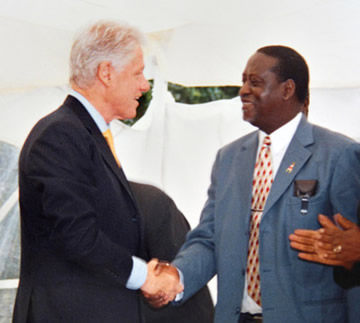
[(158, 295), (331, 256), (326, 237), (320, 259), (313, 257), (344, 222), (302, 247), (326, 222), (312, 234), (301, 239), (156, 298), (306, 233), (162, 266), (158, 304), (310, 256), (324, 246), (171, 271)]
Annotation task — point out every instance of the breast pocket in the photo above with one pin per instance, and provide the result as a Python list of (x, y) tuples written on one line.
[(305, 201)]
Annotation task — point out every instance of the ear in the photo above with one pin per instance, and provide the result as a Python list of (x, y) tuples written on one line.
[(104, 73), (288, 88)]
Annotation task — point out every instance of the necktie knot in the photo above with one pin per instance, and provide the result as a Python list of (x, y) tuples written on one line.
[(267, 142)]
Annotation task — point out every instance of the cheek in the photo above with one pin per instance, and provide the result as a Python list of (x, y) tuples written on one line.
[(131, 87), (265, 95)]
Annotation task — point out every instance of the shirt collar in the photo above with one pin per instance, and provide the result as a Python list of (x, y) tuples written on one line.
[(281, 137), (95, 115)]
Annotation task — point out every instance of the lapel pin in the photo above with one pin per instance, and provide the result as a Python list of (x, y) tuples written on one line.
[(290, 168)]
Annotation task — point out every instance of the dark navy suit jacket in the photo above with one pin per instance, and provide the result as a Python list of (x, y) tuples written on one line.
[(80, 225)]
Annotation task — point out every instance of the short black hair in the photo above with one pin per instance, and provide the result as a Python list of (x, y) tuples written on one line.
[(291, 65)]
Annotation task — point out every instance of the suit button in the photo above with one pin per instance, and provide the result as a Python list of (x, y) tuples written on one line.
[(134, 219), (237, 310), (243, 272)]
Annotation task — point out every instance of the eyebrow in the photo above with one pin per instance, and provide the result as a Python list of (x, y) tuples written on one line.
[(252, 76)]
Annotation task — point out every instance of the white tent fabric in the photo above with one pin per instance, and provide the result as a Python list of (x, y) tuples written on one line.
[(194, 42)]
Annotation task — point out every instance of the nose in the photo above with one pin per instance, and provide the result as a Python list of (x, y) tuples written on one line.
[(145, 86), (244, 89)]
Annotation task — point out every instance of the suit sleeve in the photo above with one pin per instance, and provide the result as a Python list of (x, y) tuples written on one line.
[(349, 278), (345, 184), (196, 258)]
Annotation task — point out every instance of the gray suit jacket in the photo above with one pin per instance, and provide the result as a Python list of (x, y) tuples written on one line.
[(292, 290)]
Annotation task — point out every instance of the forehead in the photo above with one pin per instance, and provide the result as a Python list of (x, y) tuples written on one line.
[(259, 64), (138, 58), (136, 62)]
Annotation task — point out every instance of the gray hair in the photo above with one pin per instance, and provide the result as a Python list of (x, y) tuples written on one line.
[(99, 42)]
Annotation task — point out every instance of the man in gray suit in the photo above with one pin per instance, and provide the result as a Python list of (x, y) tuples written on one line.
[(311, 170)]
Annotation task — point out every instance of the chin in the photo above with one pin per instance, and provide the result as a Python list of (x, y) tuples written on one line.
[(247, 117), (131, 114)]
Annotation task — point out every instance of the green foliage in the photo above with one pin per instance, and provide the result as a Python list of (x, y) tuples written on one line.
[(144, 102), (195, 95), (188, 95)]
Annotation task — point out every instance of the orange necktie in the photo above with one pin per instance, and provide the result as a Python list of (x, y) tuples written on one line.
[(110, 140)]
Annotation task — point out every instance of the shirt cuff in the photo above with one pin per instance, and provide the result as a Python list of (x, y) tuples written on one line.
[(138, 274), (180, 296)]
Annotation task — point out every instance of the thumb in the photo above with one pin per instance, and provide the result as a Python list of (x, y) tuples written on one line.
[(344, 222), (152, 264)]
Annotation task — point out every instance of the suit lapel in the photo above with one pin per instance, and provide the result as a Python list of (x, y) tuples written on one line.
[(99, 139), (109, 159), (294, 159), (246, 162)]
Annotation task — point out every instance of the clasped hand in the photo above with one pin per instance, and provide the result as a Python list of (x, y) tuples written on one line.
[(162, 283), (331, 244)]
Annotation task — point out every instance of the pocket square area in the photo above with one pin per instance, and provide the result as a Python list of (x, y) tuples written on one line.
[(304, 188)]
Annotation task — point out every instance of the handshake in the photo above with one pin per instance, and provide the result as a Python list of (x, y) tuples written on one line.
[(162, 283)]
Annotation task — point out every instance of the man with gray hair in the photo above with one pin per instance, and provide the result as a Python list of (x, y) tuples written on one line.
[(81, 232)]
